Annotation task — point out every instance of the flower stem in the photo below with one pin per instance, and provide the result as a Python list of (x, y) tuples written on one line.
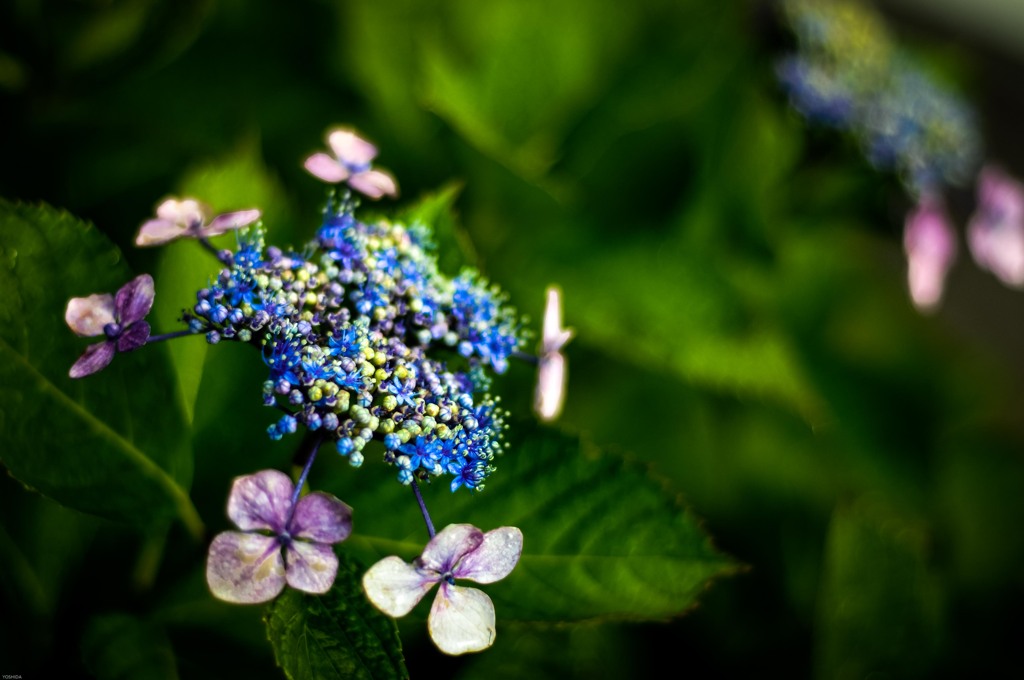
[(168, 336), (150, 555), (423, 508), (310, 457), (205, 242), (523, 356)]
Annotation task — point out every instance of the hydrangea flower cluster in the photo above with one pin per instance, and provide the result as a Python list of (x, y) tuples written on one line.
[(849, 74), (364, 340)]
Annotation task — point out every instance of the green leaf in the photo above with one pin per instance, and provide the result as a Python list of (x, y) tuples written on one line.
[(237, 181), (599, 651), (437, 211), (604, 539), (120, 646), (512, 79), (110, 444), (182, 269), (618, 301), (878, 597), (335, 635)]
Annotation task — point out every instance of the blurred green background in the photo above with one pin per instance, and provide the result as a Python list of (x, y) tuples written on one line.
[(734, 277)]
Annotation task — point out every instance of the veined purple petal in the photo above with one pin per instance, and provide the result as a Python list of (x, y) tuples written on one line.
[(551, 382), (134, 300), (189, 213), (461, 620), (134, 337), (322, 518), (228, 221), (395, 586), (311, 566), (350, 148), (261, 501), (157, 232), (87, 316), (494, 558), (245, 568), (374, 183), (324, 167), (449, 546), (95, 358)]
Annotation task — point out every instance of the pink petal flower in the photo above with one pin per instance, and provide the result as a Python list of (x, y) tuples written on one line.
[(157, 232), (554, 337), (87, 316), (222, 224), (351, 164), (187, 217), (552, 379), (930, 245), (374, 183), (322, 166), (351, 149), (995, 232), (188, 213), (552, 371)]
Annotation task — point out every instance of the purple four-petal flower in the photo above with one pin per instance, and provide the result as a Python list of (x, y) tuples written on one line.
[(461, 619), (281, 541), (118, 317)]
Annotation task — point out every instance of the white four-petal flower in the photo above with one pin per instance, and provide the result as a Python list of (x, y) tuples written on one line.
[(351, 164), (551, 363), (461, 619)]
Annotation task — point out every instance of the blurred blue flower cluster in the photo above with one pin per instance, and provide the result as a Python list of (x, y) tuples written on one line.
[(848, 74)]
